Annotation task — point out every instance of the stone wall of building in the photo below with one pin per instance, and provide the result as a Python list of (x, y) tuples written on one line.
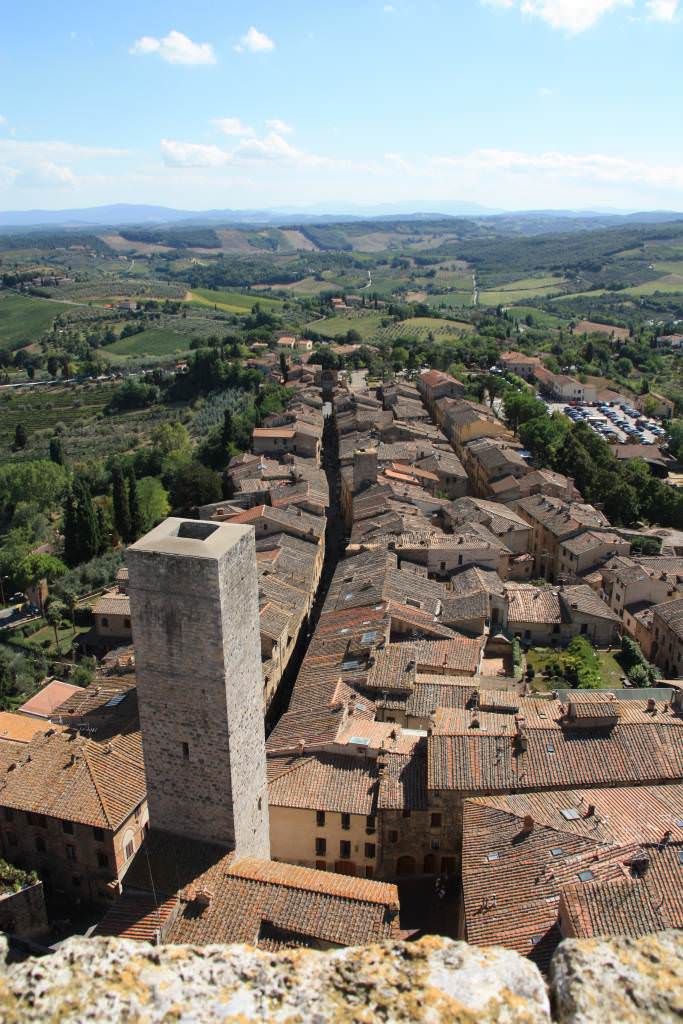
[(628, 981), (23, 913)]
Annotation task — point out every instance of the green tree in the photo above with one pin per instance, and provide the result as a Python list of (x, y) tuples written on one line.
[(171, 437), (57, 451), (36, 567), (81, 532), (20, 436), (153, 500), (40, 482), (120, 505), (135, 513), (228, 432), (194, 484), (54, 614)]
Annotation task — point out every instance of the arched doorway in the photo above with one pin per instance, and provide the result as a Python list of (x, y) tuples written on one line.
[(405, 866)]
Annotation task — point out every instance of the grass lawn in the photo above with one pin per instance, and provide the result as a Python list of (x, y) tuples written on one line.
[(610, 669), (25, 319), (233, 302), (155, 342), (44, 639)]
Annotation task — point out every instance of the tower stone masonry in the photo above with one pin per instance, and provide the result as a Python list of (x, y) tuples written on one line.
[(195, 616)]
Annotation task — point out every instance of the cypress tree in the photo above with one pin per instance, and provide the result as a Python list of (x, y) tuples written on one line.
[(120, 504), (57, 451), (134, 510), (81, 529), (228, 428)]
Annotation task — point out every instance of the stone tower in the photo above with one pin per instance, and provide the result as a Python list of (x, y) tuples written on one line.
[(364, 469), (195, 615)]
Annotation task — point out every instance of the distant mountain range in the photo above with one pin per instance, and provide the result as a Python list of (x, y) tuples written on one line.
[(124, 214)]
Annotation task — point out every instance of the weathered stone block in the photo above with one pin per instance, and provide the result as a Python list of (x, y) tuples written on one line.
[(435, 981), (619, 981)]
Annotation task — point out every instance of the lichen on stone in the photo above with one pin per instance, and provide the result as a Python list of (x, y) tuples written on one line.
[(435, 981)]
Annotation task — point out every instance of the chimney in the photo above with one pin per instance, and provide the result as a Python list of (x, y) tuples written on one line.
[(590, 810), (528, 824), (522, 739), (203, 897), (651, 705), (301, 747)]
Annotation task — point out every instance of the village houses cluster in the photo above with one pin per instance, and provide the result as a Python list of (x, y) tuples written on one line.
[(411, 745)]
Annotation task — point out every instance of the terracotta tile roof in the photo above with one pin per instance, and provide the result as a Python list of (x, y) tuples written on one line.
[(556, 751), (393, 668), (527, 603), (528, 858), (49, 698), (284, 432), (621, 906), (560, 517), (458, 656), (16, 728), (112, 604), (466, 608), (250, 900), (312, 881), (139, 916), (327, 782), (66, 776), (593, 539), (584, 600), (671, 614)]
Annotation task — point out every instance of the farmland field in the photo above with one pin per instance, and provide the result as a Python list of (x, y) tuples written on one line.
[(421, 327), (41, 408), (540, 316), (155, 342), (669, 283), (232, 302), (25, 319), (367, 325), (529, 288)]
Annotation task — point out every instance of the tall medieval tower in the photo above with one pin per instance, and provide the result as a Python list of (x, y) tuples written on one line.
[(195, 615)]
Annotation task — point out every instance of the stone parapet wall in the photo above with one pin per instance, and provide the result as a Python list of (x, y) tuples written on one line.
[(435, 981)]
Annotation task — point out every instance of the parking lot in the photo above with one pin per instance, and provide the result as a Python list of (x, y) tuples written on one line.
[(618, 424)]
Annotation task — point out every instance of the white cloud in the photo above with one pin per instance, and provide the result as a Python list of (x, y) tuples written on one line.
[(662, 10), (254, 41), (389, 9), (51, 164), (46, 173), (281, 127), (175, 48), (190, 154), (3, 120), (270, 147), (556, 166), (570, 15), (233, 126)]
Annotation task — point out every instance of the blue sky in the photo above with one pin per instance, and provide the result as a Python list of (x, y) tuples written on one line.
[(514, 104)]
